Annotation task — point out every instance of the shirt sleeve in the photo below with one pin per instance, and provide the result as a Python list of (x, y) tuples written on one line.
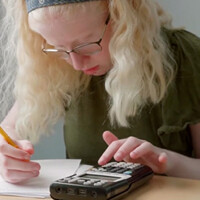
[(181, 105)]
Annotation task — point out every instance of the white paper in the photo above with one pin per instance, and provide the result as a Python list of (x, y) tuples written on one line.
[(51, 170), (83, 168)]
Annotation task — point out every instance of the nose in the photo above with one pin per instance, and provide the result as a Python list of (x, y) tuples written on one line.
[(77, 60)]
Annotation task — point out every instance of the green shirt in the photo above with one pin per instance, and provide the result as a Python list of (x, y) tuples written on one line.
[(164, 125)]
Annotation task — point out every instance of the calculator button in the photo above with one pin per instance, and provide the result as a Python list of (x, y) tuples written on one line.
[(72, 181), (128, 172), (121, 170), (103, 181), (94, 169), (115, 169), (108, 169), (87, 183), (126, 165), (98, 184), (94, 181), (80, 181), (62, 180), (117, 165), (101, 169), (131, 167), (109, 164)]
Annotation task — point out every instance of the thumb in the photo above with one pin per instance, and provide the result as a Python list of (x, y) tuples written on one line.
[(26, 146), (109, 137)]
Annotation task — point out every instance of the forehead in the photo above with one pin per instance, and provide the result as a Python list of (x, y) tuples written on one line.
[(54, 22)]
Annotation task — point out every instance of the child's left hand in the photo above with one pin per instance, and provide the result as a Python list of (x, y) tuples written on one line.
[(134, 150)]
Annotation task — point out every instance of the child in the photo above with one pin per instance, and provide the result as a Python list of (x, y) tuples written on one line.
[(105, 65)]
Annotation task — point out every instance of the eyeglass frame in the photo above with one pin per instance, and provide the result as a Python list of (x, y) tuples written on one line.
[(46, 51)]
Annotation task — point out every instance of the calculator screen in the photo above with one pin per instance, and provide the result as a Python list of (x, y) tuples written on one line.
[(108, 178)]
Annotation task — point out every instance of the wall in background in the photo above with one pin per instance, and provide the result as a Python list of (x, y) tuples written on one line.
[(185, 13), (51, 146)]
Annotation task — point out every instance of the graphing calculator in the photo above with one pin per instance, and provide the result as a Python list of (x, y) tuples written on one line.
[(110, 181)]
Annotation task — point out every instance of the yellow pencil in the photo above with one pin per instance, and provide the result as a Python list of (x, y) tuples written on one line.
[(7, 138)]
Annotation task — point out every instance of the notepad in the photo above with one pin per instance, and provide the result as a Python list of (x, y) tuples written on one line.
[(51, 170)]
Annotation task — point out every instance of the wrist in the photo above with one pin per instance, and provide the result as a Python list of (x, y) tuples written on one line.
[(171, 163)]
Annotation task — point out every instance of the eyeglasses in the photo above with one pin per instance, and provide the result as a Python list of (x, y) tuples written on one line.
[(89, 48)]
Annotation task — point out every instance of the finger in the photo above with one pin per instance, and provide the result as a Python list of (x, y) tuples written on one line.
[(14, 176), (2, 140), (13, 152), (109, 137), (13, 164), (151, 156), (110, 151), (128, 146), (26, 146), (162, 157), (141, 150), (128, 159), (159, 165)]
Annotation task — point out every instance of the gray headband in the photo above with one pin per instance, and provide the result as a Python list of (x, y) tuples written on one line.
[(34, 4)]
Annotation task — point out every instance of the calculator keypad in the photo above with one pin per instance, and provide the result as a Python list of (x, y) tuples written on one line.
[(119, 167), (112, 168), (87, 182)]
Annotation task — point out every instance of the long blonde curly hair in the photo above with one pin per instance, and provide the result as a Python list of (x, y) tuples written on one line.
[(45, 86)]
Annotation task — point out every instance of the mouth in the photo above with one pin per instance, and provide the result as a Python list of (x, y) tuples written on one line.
[(91, 70)]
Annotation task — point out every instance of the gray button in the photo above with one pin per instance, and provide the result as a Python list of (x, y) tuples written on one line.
[(98, 184), (72, 181), (81, 181), (87, 183)]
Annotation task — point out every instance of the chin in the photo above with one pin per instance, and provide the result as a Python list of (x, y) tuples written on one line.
[(99, 74)]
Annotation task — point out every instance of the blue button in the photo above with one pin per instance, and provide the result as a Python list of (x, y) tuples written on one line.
[(128, 172)]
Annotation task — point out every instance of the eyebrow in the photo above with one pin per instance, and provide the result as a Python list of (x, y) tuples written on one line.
[(77, 43)]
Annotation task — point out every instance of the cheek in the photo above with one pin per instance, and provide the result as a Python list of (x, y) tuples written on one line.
[(105, 51), (106, 56), (102, 58)]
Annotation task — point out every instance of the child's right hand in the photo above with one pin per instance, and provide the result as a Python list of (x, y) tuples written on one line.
[(14, 163)]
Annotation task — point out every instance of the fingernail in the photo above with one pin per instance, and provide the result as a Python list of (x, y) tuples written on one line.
[(101, 161), (133, 155), (35, 173), (37, 167)]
